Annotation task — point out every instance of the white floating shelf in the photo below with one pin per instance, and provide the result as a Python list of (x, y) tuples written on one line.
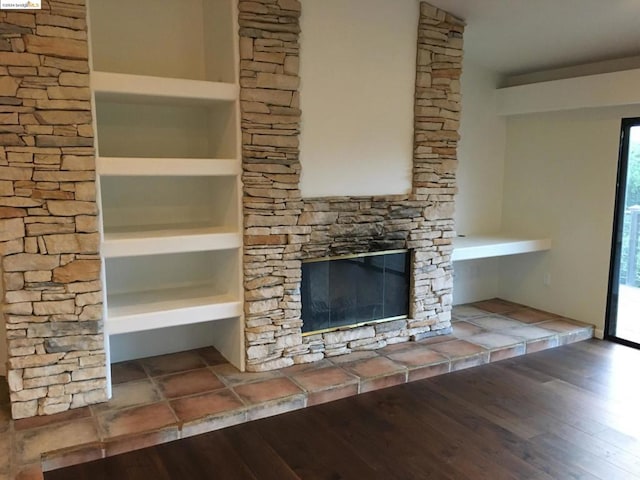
[(135, 312), (147, 89), (159, 239), (133, 166), (484, 246)]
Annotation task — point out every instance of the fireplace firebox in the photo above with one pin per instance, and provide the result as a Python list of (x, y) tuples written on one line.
[(352, 290)]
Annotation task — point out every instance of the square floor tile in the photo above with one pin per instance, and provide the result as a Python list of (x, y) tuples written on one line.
[(332, 394), (30, 444), (561, 325), (375, 367), (213, 422), (127, 372), (568, 332), (458, 349), (496, 305), (418, 357), (422, 362), (495, 322), (146, 418), (469, 362), (463, 312), (46, 420), (529, 332), (396, 347), (172, 363), (428, 371), (436, 339), (493, 340), (137, 441), (354, 357), (130, 394), (204, 405), (305, 367), (464, 329), (327, 384), (231, 376), (507, 352), (72, 456), (324, 378), (211, 356), (530, 315), (276, 407), (576, 336), (267, 390), (188, 383), (542, 344)]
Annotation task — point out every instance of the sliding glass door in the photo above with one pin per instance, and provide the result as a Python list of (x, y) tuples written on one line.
[(623, 310)]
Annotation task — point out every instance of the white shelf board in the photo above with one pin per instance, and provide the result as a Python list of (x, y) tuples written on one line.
[(159, 239), (134, 166), (484, 246), (142, 88), (136, 312)]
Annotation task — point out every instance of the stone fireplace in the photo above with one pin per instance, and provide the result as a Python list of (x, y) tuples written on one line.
[(282, 229), (52, 296)]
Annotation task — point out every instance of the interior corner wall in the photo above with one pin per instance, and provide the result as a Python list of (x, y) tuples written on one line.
[(480, 180), (560, 177), (480, 154), (357, 71)]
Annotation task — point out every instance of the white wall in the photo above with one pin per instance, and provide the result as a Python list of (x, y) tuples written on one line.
[(480, 180), (357, 96), (480, 154), (560, 176)]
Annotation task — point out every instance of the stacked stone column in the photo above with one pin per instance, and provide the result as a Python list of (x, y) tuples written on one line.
[(269, 53), (437, 120), (49, 241)]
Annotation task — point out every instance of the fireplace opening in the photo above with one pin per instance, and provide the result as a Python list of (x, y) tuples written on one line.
[(352, 290)]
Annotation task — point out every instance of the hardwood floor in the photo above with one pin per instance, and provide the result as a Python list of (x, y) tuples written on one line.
[(570, 412)]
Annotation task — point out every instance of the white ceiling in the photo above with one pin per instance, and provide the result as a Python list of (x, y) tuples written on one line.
[(515, 37)]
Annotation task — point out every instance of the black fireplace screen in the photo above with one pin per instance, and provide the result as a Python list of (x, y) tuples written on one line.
[(352, 290)]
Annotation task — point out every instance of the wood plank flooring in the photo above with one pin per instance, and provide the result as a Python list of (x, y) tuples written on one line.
[(568, 413)]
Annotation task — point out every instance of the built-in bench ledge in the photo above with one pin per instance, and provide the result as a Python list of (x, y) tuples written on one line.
[(469, 247)]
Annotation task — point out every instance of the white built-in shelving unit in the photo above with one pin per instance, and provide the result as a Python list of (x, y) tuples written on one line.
[(165, 87), (473, 247)]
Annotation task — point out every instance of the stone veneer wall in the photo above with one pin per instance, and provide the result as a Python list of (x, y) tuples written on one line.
[(282, 229), (52, 296)]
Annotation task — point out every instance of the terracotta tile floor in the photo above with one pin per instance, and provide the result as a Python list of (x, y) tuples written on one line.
[(165, 398)]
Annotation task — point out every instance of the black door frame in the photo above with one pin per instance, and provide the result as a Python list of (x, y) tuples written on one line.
[(616, 240)]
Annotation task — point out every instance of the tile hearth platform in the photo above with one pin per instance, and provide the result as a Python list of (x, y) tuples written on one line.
[(166, 398)]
